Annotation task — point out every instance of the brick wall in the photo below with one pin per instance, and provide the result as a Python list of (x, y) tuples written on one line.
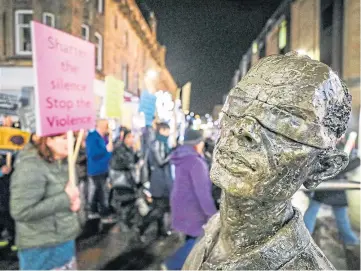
[(112, 24)]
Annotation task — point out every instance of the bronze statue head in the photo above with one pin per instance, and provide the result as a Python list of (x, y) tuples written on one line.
[(279, 129)]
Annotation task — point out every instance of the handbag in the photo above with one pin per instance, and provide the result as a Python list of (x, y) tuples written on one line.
[(120, 179)]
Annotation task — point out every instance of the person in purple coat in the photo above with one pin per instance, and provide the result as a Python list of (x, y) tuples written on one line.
[(192, 204)]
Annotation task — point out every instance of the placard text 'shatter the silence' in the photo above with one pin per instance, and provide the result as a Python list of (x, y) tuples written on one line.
[(65, 74)]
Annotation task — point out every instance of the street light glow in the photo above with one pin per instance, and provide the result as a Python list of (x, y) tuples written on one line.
[(152, 74), (302, 52)]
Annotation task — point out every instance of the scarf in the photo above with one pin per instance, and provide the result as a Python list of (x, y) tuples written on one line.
[(163, 139)]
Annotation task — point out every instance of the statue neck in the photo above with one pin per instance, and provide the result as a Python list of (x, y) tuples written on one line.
[(246, 223)]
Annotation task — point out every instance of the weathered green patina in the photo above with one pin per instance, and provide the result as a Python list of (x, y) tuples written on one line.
[(279, 130)]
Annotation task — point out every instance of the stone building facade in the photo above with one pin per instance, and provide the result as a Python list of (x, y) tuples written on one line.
[(126, 43), (326, 30)]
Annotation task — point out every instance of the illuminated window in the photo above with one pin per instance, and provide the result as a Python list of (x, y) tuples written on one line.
[(254, 48), (282, 35)]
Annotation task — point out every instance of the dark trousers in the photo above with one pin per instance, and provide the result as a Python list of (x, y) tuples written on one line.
[(123, 201), (6, 221), (159, 208), (98, 195)]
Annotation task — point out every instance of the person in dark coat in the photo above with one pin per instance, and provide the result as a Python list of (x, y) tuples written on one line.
[(7, 226), (208, 155), (122, 178), (160, 179), (338, 201)]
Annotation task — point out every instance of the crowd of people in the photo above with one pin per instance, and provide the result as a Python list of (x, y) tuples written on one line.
[(127, 180), (120, 180)]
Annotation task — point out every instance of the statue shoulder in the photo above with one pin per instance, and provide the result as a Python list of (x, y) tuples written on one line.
[(311, 258), (204, 245)]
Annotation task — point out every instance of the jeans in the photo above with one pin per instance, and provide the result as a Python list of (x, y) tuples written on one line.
[(98, 195), (343, 223), (60, 256), (177, 260)]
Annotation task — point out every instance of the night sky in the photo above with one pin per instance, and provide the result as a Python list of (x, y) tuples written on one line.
[(205, 41)]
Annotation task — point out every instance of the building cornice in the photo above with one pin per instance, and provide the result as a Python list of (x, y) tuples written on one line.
[(131, 11)]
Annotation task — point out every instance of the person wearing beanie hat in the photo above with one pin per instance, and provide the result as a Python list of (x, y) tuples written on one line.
[(191, 201), (193, 137)]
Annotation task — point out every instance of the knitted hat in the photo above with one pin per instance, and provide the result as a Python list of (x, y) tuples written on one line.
[(193, 137)]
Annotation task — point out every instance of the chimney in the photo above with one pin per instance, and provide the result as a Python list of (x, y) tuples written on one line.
[(153, 23)]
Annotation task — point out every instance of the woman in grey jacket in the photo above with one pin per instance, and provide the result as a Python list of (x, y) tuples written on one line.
[(44, 205)]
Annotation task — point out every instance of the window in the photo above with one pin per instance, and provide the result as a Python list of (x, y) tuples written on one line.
[(125, 69), (98, 51), (85, 32), (327, 17), (254, 47), (49, 19), (126, 39), (282, 35), (116, 22), (137, 82), (99, 5), (23, 32), (4, 22), (262, 50)]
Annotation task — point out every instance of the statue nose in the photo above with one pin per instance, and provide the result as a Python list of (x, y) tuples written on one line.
[(248, 133)]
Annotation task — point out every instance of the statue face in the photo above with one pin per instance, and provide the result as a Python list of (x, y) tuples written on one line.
[(275, 123), (253, 162)]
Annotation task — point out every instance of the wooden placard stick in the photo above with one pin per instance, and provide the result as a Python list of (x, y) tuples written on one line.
[(71, 163), (8, 159), (78, 144), (110, 136), (73, 154)]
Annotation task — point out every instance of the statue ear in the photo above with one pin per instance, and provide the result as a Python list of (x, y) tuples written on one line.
[(329, 164)]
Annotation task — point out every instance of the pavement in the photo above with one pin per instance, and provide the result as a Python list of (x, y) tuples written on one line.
[(112, 249)]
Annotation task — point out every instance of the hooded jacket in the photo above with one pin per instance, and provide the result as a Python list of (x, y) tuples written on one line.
[(191, 200), (39, 204)]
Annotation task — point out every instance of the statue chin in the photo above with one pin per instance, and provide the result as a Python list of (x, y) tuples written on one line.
[(229, 183)]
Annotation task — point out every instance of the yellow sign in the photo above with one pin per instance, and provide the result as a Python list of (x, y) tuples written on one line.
[(114, 97), (13, 139)]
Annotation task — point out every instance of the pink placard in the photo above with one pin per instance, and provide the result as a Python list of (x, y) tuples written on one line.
[(64, 75)]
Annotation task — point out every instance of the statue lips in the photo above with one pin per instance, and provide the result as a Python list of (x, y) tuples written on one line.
[(233, 162)]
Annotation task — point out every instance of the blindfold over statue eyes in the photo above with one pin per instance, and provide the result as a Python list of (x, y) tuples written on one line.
[(281, 122)]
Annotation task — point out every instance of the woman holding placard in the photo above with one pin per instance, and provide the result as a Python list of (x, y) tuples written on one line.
[(44, 205)]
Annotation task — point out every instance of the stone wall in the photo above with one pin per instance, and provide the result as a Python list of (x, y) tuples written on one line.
[(305, 27)]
